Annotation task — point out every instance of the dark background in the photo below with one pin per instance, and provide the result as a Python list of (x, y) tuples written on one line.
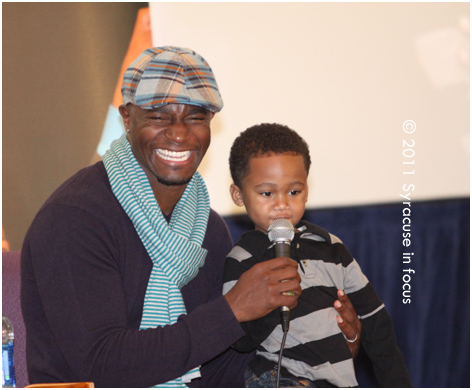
[(61, 63)]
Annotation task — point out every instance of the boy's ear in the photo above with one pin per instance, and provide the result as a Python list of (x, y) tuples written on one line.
[(236, 195)]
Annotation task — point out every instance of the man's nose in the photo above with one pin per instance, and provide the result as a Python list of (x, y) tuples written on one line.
[(177, 131)]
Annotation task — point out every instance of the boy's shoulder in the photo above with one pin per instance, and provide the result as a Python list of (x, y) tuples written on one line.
[(310, 231), (312, 239), (305, 230), (251, 243)]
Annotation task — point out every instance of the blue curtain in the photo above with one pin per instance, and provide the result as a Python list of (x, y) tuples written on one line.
[(433, 330)]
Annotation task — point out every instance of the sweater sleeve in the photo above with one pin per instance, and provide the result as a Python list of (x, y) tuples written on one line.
[(238, 262), (76, 309)]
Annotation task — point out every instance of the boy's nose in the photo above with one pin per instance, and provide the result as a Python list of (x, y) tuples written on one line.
[(281, 203)]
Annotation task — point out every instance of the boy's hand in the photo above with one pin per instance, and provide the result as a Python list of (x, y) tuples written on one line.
[(348, 322), (264, 288)]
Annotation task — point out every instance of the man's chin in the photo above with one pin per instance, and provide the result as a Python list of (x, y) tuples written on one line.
[(173, 182)]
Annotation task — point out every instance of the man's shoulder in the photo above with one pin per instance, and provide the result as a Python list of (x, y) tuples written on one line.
[(89, 188), (217, 235), (215, 217), (216, 223), (82, 207)]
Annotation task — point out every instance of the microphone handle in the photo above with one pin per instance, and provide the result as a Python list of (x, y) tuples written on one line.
[(282, 249)]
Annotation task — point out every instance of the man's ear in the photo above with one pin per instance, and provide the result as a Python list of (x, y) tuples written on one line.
[(236, 195), (124, 112)]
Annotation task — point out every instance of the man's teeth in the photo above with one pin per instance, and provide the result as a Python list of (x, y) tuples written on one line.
[(173, 156)]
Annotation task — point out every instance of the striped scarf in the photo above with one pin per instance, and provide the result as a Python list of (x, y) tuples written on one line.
[(174, 247)]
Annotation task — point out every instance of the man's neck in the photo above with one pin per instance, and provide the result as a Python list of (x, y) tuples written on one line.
[(168, 196)]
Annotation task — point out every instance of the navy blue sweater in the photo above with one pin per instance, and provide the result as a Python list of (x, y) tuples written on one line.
[(84, 277)]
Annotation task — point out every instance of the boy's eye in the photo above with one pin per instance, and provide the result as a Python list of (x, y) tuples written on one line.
[(294, 192), (266, 193)]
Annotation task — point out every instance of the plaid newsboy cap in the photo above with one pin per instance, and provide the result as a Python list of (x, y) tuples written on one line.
[(168, 74)]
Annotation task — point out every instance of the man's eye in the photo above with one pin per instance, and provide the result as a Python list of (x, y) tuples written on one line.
[(197, 118), (159, 116)]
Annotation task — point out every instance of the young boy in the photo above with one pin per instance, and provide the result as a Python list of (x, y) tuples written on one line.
[(269, 165)]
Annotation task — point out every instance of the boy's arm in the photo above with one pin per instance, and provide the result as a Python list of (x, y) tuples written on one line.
[(377, 335), (380, 345)]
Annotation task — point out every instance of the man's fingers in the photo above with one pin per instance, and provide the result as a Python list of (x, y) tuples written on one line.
[(280, 263), (286, 280), (264, 288)]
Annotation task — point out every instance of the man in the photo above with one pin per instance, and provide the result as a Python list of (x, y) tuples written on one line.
[(122, 267)]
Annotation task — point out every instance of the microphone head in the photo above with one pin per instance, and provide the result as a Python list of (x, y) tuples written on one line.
[(281, 230)]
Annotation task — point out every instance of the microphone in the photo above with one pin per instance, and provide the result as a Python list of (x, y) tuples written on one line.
[(281, 232)]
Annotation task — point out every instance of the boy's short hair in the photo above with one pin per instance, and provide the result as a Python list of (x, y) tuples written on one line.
[(264, 139)]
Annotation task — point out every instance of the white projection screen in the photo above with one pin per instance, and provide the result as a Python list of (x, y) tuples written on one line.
[(376, 89)]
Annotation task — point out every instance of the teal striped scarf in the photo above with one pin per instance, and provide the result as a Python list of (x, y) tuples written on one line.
[(175, 247)]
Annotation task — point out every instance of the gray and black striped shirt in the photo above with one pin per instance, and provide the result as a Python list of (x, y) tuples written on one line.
[(315, 347)]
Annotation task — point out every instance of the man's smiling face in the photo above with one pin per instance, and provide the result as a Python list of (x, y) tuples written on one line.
[(170, 142)]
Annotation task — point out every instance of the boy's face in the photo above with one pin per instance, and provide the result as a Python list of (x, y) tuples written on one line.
[(275, 187)]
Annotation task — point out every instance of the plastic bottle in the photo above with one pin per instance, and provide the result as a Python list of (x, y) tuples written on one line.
[(8, 368)]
